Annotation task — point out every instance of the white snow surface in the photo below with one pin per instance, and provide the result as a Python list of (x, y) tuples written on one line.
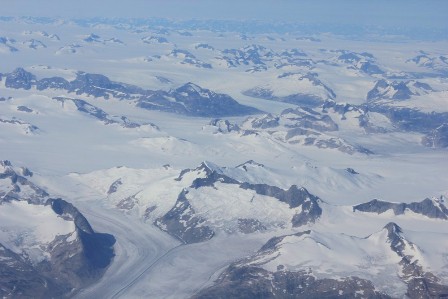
[(337, 256), (78, 158), (28, 229)]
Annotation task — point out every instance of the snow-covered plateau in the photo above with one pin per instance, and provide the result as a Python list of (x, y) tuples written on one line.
[(143, 159)]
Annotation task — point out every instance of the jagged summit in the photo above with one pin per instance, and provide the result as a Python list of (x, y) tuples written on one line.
[(192, 88), (249, 163), (14, 186), (20, 78), (397, 90), (393, 230), (188, 99), (58, 251), (431, 208), (244, 206)]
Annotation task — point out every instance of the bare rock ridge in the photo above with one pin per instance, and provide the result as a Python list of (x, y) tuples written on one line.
[(70, 261), (432, 208), (251, 277), (189, 99), (191, 226)]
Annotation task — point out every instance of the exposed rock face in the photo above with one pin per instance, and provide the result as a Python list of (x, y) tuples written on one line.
[(34, 44), (70, 261), (364, 62), (23, 126), (411, 119), (97, 247), (187, 57), (247, 226), (74, 262), (254, 282), (295, 197), (8, 43), (432, 124), (315, 97), (20, 78), (437, 138), (257, 277), (248, 279), (101, 115), (190, 226), (300, 99), (19, 279), (189, 99), (351, 171), (265, 122), (114, 186), (400, 118), (224, 126), (182, 223), (24, 109), (306, 126), (370, 68), (154, 40), (309, 119), (420, 284), (19, 187), (96, 85), (52, 83), (396, 90), (427, 207), (252, 55)]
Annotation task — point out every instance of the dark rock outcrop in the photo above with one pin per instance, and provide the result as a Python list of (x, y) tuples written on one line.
[(310, 119), (12, 190), (265, 122), (420, 284), (96, 85), (20, 79), (191, 99), (19, 279), (101, 115), (397, 90), (248, 279), (114, 186), (255, 282), (182, 222), (295, 197), (188, 99), (52, 83), (437, 138), (224, 126), (97, 248), (427, 207), (71, 261)]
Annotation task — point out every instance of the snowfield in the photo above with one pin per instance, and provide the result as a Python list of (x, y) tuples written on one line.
[(156, 176)]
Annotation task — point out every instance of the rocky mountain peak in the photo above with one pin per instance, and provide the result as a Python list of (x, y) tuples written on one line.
[(393, 230), (192, 88), (15, 186), (20, 78)]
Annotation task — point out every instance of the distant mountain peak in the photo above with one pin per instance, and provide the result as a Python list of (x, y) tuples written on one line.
[(393, 230)]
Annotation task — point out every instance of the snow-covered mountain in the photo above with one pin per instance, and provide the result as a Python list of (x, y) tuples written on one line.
[(205, 208), (47, 247), (295, 88), (276, 160), (397, 90), (311, 264), (189, 99)]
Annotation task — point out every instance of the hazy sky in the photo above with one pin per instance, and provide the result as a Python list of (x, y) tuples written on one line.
[(388, 12)]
